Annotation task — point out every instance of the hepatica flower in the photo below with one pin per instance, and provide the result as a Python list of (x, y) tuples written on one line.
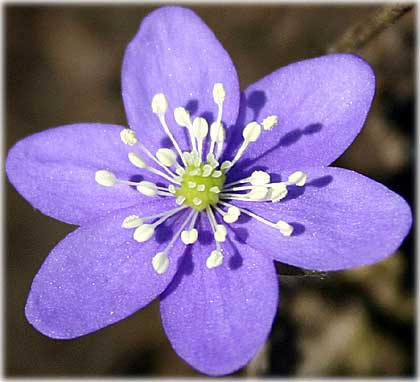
[(207, 187)]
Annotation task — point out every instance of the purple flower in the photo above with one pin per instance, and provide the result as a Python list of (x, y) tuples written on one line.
[(207, 188)]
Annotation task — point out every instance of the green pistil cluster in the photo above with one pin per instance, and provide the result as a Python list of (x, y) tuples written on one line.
[(200, 186)]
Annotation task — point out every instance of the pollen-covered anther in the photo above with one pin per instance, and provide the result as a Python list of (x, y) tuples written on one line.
[(217, 132), (251, 132), (159, 104), (259, 178), (105, 178), (167, 157), (136, 160), (201, 187), (285, 228), (215, 259), (219, 93), (132, 221), (128, 137), (278, 192), (258, 193), (191, 184), (147, 188), (189, 236), (160, 262), (220, 233), (298, 178), (144, 232), (232, 214), (270, 122), (182, 117)]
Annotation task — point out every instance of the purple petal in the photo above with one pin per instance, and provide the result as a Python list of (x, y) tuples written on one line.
[(321, 104), (175, 53), (217, 319), (342, 220), (99, 275), (55, 171)]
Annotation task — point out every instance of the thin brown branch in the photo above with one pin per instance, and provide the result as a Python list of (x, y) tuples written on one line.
[(360, 34)]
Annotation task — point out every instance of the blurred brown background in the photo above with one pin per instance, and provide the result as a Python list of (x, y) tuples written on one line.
[(63, 66)]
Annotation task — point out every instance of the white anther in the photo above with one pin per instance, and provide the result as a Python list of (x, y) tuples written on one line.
[(137, 160), (182, 117), (219, 93), (132, 221), (259, 178), (201, 187), (298, 178), (278, 192), (232, 214), (167, 157), (270, 122), (217, 132), (144, 232), (197, 201), (200, 128), (189, 236), (147, 188), (180, 199), (159, 104), (191, 184), (257, 193), (207, 170), (180, 171), (105, 178), (215, 190), (214, 260), (225, 165), (285, 228), (251, 132), (212, 161), (220, 233), (216, 174), (129, 137), (160, 262), (172, 189)]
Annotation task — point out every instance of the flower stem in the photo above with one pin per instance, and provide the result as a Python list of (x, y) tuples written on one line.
[(357, 36)]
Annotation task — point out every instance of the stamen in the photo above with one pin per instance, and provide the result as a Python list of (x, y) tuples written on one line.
[(105, 178), (215, 259), (147, 188), (190, 236), (232, 214), (298, 178), (251, 133), (167, 157), (285, 228), (137, 161), (146, 231), (200, 131), (159, 107), (132, 221), (183, 118), (219, 230), (129, 137), (219, 95), (160, 261)]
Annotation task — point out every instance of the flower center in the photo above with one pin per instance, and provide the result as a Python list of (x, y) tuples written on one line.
[(200, 186), (197, 180)]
